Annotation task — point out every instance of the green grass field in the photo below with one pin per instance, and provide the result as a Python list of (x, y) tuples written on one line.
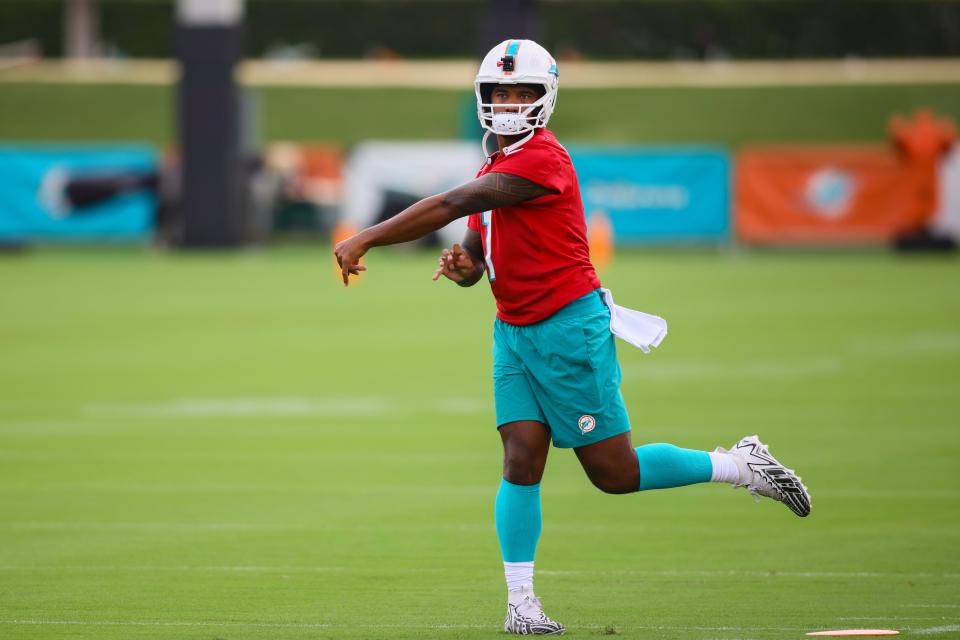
[(233, 446), (731, 116)]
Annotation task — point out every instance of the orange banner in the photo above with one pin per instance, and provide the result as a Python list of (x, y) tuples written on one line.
[(824, 195)]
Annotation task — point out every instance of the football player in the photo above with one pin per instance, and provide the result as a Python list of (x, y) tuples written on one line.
[(555, 370)]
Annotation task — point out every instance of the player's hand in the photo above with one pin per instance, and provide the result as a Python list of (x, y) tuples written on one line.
[(348, 254), (455, 264)]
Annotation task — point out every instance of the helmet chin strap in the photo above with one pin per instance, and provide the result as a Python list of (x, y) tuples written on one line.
[(483, 143), (508, 149), (516, 145)]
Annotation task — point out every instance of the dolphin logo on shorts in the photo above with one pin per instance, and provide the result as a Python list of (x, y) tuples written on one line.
[(586, 424)]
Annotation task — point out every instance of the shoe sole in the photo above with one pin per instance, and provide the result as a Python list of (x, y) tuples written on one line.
[(547, 633)]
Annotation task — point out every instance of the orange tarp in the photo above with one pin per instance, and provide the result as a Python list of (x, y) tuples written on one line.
[(823, 195)]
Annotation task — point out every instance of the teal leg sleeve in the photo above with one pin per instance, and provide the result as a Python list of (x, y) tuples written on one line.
[(664, 465), (518, 519)]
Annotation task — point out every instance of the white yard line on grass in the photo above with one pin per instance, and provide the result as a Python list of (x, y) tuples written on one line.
[(650, 573), (74, 488), (212, 569), (893, 618), (321, 625), (709, 369), (144, 526), (391, 526), (920, 343), (942, 344), (953, 628), (165, 623), (245, 407), (273, 407), (950, 628), (756, 574), (463, 406)]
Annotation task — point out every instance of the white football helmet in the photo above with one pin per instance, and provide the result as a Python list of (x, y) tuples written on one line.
[(516, 62)]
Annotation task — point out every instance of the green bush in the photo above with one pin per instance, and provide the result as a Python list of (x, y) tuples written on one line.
[(659, 29)]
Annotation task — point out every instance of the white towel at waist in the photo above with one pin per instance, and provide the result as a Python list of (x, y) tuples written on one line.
[(636, 327)]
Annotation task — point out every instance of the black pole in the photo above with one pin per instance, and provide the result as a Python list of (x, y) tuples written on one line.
[(209, 41), (509, 19)]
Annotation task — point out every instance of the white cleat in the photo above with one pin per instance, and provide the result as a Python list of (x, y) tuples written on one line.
[(525, 616), (763, 475)]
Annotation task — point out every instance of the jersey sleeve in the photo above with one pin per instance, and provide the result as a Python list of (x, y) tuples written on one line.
[(473, 222), (542, 165)]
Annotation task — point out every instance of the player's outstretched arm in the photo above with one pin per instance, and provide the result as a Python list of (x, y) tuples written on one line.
[(490, 191), (462, 264)]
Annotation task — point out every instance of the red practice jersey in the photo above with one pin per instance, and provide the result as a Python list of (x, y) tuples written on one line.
[(536, 252)]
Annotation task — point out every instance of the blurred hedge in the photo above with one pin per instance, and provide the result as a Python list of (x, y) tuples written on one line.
[(589, 28)]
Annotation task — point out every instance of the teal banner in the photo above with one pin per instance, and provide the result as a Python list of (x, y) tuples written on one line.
[(657, 195), (77, 192)]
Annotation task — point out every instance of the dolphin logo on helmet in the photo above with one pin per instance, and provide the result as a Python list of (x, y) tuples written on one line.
[(516, 62)]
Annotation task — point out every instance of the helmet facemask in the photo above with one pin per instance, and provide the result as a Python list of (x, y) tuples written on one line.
[(514, 118)]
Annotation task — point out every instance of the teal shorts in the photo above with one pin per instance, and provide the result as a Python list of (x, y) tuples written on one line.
[(562, 372)]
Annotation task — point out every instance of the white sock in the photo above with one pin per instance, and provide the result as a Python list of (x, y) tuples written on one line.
[(518, 574), (516, 597), (725, 468)]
